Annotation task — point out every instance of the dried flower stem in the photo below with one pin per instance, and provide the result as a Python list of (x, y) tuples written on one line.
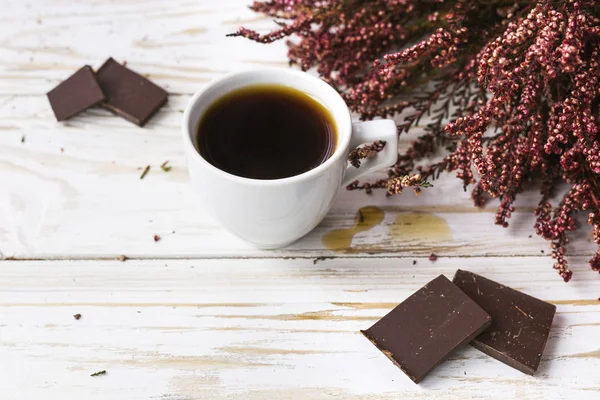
[(518, 81)]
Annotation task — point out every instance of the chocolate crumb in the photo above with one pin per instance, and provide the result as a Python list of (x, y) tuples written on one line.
[(145, 172), (414, 262), (542, 251), (77, 317), (530, 236), (122, 258), (103, 372), (433, 257), (156, 238)]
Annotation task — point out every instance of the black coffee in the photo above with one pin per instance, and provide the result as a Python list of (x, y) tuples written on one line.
[(266, 132)]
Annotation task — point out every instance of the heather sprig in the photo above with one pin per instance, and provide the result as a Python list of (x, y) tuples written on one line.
[(510, 90)]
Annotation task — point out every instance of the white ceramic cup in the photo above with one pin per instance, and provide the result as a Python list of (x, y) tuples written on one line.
[(274, 213)]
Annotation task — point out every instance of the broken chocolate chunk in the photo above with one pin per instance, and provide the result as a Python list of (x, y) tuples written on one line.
[(129, 94), (76, 94), (520, 323), (427, 327)]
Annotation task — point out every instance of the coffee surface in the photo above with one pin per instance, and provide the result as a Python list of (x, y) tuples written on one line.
[(266, 132)]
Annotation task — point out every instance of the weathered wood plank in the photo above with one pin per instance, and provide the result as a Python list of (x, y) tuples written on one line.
[(73, 190), (180, 44), (222, 328), (258, 329)]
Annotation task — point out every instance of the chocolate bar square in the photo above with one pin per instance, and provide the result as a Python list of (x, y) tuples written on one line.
[(427, 327), (129, 94), (77, 93), (520, 323)]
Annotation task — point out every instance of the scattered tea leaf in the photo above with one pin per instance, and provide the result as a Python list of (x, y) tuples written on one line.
[(181, 111), (145, 172), (77, 317), (103, 372), (23, 139), (165, 167)]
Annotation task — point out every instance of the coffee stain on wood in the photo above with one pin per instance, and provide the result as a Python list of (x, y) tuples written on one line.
[(191, 362), (377, 306), (588, 324), (277, 329), (593, 302), (247, 20), (340, 240), (420, 227), (139, 305), (325, 315), (196, 30), (264, 351), (588, 354), (366, 306), (147, 44)]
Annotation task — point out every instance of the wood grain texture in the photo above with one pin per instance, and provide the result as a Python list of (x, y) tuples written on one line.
[(263, 329), (72, 190), (199, 314), (180, 44)]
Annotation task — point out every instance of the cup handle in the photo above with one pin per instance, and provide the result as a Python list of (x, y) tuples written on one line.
[(370, 131)]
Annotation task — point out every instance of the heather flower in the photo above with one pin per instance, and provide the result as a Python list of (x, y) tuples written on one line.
[(511, 90)]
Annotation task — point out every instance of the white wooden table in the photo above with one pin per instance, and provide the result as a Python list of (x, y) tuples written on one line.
[(199, 314)]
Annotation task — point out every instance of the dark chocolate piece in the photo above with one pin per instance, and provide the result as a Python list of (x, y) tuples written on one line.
[(424, 329), (520, 323), (129, 94), (76, 94)]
